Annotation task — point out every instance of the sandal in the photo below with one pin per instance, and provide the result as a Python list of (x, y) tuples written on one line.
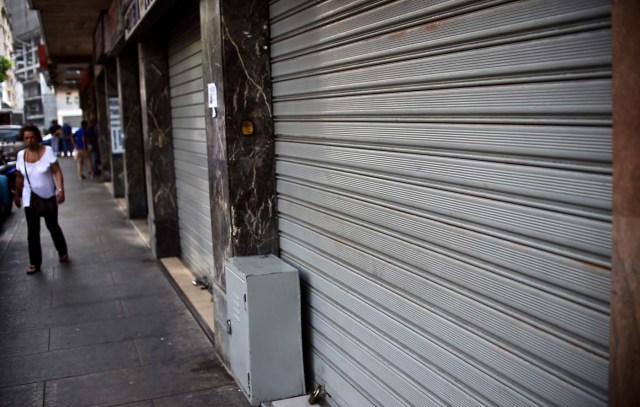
[(33, 269), (64, 258)]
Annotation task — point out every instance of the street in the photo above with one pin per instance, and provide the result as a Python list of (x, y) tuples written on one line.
[(107, 328)]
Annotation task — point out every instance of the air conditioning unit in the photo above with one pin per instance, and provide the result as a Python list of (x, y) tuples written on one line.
[(264, 326)]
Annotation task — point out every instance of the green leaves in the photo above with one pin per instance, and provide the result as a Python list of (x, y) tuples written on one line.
[(5, 65)]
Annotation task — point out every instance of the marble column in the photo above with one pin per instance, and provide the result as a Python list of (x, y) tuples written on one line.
[(158, 148), (117, 166), (133, 155), (624, 366), (104, 139), (241, 167)]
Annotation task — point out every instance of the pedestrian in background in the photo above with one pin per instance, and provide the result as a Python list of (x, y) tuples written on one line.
[(40, 167), (81, 145), (67, 144), (56, 133)]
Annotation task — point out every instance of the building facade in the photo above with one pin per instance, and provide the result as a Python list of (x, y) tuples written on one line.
[(39, 98), (10, 91), (442, 175), (68, 107)]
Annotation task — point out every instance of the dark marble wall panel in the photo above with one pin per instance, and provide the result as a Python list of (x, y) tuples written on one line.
[(218, 167), (624, 368), (117, 175), (220, 323), (158, 147), (88, 102), (242, 167), (236, 59), (247, 81), (134, 171), (103, 127), (117, 165), (216, 138)]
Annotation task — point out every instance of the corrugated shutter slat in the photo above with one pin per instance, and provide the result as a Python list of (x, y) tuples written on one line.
[(444, 187), (190, 149)]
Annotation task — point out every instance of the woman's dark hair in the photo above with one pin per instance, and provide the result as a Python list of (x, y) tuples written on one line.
[(32, 128)]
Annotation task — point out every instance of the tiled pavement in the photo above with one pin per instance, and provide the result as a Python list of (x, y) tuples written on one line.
[(106, 329)]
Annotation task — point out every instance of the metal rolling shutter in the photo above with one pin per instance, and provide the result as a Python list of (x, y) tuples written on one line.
[(190, 149), (444, 186)]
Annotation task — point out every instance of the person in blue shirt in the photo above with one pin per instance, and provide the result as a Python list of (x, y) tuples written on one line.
[(67, 144), (56, 134), (81, 144)]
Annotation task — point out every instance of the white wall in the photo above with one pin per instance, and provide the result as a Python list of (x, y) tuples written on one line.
[(68, 103)]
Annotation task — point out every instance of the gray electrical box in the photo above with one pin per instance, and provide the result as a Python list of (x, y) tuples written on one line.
[(263, 302)]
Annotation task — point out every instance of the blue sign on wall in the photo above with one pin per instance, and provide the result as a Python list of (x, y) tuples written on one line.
[(114, 124)]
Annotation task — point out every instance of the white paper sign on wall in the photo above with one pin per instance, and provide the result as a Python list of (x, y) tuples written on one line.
[(213, 98)]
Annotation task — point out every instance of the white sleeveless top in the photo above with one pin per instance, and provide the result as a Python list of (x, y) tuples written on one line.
[(40, 175)]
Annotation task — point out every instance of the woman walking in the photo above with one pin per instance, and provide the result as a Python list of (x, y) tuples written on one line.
[(39, 166)]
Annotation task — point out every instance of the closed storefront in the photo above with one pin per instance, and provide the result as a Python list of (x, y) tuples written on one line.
[(190, 147), (444, 187)]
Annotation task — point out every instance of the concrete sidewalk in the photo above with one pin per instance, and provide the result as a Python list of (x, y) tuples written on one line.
[(106, 329)]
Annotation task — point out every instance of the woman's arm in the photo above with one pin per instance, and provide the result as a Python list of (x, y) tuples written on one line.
[(57, 173), (17, 197)]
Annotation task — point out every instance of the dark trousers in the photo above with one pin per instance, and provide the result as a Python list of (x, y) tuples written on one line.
[(67, 146), (33, 235)]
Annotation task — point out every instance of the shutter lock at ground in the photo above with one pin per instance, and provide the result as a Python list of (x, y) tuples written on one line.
[(444, 188)]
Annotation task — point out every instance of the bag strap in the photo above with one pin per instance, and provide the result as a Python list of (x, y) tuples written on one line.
[(26, 173)]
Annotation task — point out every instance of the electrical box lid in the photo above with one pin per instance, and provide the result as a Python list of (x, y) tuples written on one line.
[(258, 265)]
